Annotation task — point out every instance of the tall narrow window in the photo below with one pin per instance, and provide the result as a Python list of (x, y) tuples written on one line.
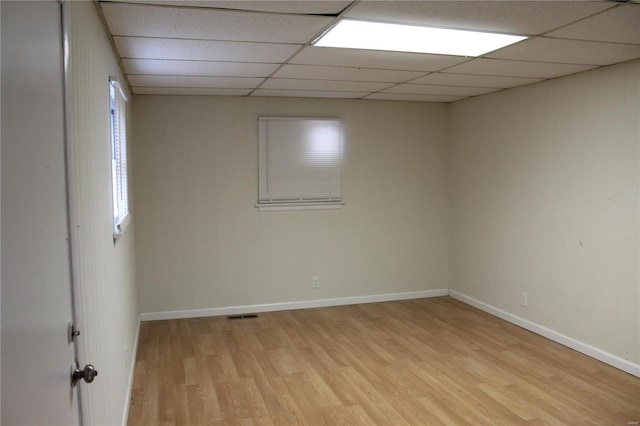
[(121, 215), (299, 163)]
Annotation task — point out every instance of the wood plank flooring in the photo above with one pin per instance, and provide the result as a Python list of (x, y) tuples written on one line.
[(427, 361)]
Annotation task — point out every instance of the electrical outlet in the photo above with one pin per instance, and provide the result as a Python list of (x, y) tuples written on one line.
[(315, 281), (524, 299)]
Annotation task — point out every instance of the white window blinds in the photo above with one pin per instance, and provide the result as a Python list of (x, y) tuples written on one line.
[(119, 157), (300, 160)]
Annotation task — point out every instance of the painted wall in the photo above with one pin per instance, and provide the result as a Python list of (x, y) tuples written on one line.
[(545, 188), (201, 243), (106, 271)]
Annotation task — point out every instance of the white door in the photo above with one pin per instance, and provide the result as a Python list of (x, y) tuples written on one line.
[(36, 286)]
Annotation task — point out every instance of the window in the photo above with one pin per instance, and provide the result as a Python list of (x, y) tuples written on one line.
[(119, 158), (299, 163)]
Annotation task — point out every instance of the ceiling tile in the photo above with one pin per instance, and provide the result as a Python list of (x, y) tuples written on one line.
[(157, 48), (501, 67), (330, 85), (343, 73), (312, 55), (209, 24), (189, 91), (198, 68), (513, 17), (620, 25), (186, 81), (413, 97), (324, 7), (498, 82), (545, 49), (308, 94), (424, 89)]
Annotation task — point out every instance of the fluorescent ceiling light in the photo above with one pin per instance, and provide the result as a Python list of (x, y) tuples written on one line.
[(411, 38)]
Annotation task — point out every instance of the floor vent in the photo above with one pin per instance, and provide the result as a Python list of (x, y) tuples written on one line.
[(235, 317)]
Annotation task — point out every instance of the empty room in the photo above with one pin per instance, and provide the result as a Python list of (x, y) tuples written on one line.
[(320, 212)]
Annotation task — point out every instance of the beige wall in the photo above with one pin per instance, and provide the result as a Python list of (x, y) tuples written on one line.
[(105, 272), (545, 184), (201, 243)]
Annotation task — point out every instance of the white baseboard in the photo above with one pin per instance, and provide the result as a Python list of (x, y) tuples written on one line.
[(584, 348), (303, 304), (132, 370)]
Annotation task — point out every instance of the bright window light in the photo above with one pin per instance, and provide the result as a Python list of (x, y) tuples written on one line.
[(410, 38)]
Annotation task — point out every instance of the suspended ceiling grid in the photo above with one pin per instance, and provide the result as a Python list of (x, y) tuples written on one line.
[(263, 48)]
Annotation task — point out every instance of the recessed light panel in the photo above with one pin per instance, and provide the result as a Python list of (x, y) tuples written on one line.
[(352, 34)]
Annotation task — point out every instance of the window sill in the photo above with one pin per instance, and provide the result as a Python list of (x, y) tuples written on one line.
[(272, 207), (120, 227)]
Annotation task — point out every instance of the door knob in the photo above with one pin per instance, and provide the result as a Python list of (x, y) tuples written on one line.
[(88, 373)]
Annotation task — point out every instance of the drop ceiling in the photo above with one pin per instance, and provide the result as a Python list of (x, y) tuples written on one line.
[(264, 48)]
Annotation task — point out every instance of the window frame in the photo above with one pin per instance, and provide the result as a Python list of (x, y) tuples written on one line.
[(300, 202), (119, 165)]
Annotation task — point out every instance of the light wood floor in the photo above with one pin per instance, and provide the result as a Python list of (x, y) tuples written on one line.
[(427, 361)]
